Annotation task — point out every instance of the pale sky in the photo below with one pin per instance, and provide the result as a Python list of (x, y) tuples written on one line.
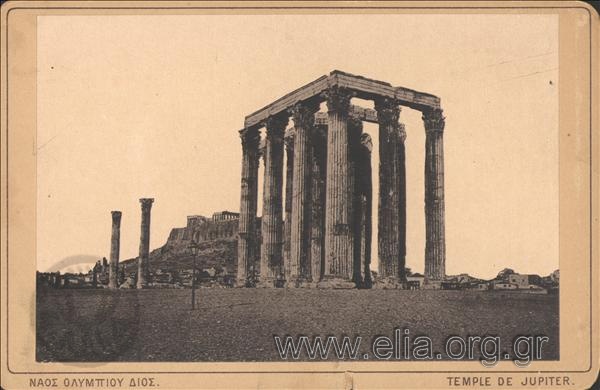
[(150, 106)]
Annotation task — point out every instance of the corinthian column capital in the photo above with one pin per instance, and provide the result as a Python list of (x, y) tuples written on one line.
[(275, 125), (303, 114), (338, 99), (388, 110), (434, 120), (116, 216), (250, 138), (146, 203)]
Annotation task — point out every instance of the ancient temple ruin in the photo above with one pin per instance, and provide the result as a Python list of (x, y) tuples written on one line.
[(222, 224), (322, 235)]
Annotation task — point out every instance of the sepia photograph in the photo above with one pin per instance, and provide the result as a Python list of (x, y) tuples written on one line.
[(294, 188), (316, 176)]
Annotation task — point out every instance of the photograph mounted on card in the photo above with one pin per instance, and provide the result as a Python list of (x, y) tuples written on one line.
[(299, 195)]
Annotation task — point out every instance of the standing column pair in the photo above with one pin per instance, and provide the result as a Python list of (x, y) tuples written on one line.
[(142, 273)]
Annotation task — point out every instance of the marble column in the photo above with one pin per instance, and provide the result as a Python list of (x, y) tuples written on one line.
[(289, 177), (300, 266), (435, 243), (248, 204), (339, 248), (366, 186), (143, 266), (271, 260), (401, 188), (317, 245), (115, 242), (355, 128), (388, 112)]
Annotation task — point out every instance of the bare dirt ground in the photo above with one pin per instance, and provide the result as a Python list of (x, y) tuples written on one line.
[(240, 324)]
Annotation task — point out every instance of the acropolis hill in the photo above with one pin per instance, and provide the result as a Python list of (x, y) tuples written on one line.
[(217, 239), (171, 265)]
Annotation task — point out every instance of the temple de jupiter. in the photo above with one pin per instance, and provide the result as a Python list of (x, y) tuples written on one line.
[(321, 236)]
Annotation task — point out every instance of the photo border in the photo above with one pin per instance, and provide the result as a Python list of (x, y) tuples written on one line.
[(144, 6)]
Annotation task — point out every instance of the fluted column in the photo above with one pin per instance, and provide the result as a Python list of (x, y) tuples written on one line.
[(271, 261), (435, 242), (339, 247), (248, 204), (355, 128), (289, 177), (115, 242), (365, 177), (401, 186), (304, 121), (142, 275), (317, 245), (388, 112)]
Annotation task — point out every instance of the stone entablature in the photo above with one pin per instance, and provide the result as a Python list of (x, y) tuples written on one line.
[(362, 87), (225, 216)]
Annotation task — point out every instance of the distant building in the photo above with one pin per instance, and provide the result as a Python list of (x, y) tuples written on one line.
[(451, 285), (413, 285), (432, 285), (535, 280), (521, 281), (503, 285), (225, 216), (222, 225), (415, 281), (195, 220)]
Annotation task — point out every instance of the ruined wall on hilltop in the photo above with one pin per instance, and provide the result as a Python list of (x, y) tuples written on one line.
[(221, 225)]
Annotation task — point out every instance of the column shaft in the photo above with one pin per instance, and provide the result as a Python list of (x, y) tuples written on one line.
[(115, 241), (317, 254), (388, 113), (248, 205), (289, 177), (355, 183), (271, 261), (143, 265), (435, 243), (365, 176), (339, 247), (300, 266), (401, 165)]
